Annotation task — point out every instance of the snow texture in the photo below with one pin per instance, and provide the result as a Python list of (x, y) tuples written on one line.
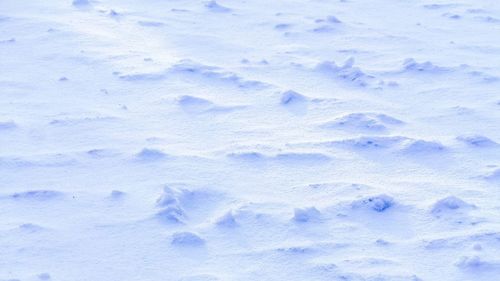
[(219, 140)]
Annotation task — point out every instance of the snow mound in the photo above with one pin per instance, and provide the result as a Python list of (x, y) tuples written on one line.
[(365, 122), (438, 6), (44, 276), (291, 97), (323, 29), (493, 176), (407, 146), (449, 205), (30, 227), (333, 19), (306, 214), (8, 41), (116, 194), (149, 154), (282, 26), (250, 156), (227, 220), (150, 23), (193, 104), (170, 202), (411, 65), (112, 13), (8, 125), (81, 3), (101, 153), (169, 197), (475, 263), (172, 214), (216, 7), (138, 77), (296, 250), (176, 202), (187, 239), (370, 143), (347, 72), (379, 203), (213, 74), (38, 195), (294, 102), (477, 141), (488, 19), (423, 146)]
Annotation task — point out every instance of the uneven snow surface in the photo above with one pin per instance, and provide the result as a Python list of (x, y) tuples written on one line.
[(148, 140)]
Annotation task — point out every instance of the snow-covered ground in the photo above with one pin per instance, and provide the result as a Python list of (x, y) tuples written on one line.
[(250, 140)]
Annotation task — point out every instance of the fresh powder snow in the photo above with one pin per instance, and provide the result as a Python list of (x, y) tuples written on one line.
[(293, 140)]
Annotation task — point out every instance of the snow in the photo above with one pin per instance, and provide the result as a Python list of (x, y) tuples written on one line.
[(249, 140)]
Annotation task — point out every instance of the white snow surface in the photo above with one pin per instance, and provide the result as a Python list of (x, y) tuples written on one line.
[(249, 140)]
